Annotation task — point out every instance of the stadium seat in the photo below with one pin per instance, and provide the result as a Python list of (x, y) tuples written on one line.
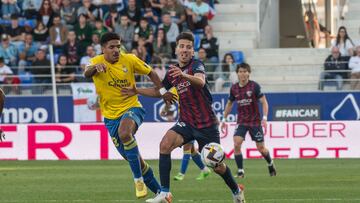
[(238, 56)]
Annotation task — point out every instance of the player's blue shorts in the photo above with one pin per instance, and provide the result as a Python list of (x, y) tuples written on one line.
[(255, 132), (136, 113), (202, 136)]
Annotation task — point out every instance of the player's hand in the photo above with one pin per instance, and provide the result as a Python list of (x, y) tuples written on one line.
[(223, 126), (100, 68), (2, 135), (263, 123), (129, 91), (169, 98), (175, 71)]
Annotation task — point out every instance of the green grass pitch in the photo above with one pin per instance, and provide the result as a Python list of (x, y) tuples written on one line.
[(311, 180)]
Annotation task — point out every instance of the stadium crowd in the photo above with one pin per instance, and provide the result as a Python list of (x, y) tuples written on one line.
[(148, 29)]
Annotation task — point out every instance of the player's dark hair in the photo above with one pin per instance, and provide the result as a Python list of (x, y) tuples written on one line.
[(108, 37), (244, 66), (185, 35)]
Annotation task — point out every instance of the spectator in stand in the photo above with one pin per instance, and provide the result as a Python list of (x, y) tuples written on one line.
[(344, 43), (41, 72), (30, 8), (92, 11), (96, 43), (68, 13), (161, 46), (227, 72), (85, 60), (99, 27), (211, 45), (111, 18), (15, 32), (177, 13), (354, 65), (9, 7), (143, 54), (171, 29), (335, 67), (46, 13), (8, 51), (29, 48), (209, 66), (83, 31), (151, 15), (144, 30), (64, 73), (40, 32), (105, 5), (158, 5), (158, 66), (4, 70), (58, 34), (133, 12), (197, 12), (126, 31), (72, 49)]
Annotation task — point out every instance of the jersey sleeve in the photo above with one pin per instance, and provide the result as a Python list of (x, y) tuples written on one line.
[(166, 83), (198, 67), (231, 95), (258, 92), (140, 66)]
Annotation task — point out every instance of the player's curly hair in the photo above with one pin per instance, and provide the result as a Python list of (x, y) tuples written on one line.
[(185, 35), (244, 66), (108, 37)]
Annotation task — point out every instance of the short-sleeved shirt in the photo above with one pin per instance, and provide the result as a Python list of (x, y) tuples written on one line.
[(117, 76), (195, 103), (247, 98)]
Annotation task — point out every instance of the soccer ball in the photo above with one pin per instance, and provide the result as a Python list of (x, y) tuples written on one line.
[(212, 154)]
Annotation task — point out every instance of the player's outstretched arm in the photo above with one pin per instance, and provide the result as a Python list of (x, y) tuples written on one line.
[(91, 70), (2, 100), (149, 92), (227, 110)]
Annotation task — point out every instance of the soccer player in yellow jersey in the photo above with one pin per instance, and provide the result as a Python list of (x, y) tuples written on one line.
[(111, 72)]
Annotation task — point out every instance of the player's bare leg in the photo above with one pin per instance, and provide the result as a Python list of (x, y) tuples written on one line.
[(170, 141), (237, 190), (238, 140), (265, 153), (126, 129)]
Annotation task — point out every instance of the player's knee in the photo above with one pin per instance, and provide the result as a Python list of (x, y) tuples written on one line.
[(262, 149), (165, 147), (220, 169), (125, 136)]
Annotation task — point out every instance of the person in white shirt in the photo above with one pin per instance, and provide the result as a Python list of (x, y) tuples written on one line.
[(343, 42), (4, 70), (354, 65)]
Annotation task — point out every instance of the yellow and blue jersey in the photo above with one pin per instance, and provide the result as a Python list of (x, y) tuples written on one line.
[(117, 76)]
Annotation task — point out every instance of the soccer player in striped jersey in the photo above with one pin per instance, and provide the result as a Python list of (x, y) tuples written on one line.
[(111, 72), (189, 150), (197, 119), (247, 93)]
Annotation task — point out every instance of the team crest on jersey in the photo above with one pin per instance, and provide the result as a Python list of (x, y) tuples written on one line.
[(124, 69), (249, 93)]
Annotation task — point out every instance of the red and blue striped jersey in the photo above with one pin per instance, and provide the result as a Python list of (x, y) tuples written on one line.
[(247, 99), (195, 103)]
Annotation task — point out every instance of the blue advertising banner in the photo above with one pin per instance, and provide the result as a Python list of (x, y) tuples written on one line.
[(282, 107)]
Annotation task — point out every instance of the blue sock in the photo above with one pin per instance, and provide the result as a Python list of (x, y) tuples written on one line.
[(197, 159), (132, 155), (150, 179), (185, 162), (164, 169)]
